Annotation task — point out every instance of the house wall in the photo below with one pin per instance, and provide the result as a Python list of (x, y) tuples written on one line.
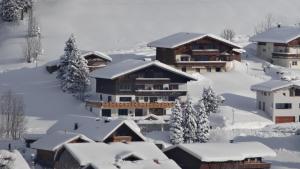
[(67, 161), (45, 158), (183, 159), (265, 50), (279, 96)]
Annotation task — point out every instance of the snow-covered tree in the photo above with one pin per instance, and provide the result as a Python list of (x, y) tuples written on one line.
[(75, 70), (176, 121), (202, 124), (10, 11), (65, 59), (210, 100), (190, 123)]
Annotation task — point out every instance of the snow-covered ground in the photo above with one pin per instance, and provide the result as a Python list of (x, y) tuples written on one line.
[(122, 29)]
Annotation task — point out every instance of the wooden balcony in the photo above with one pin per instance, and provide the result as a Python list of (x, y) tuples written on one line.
[(201, 63), (160, 92), (206, 52), (129, 105), (283, 55), (121, 139)]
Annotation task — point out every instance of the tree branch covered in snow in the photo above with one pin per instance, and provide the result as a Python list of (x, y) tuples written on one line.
[(176, 129), (228, 34)]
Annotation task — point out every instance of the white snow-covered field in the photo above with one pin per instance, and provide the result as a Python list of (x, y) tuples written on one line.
[(122, 29)]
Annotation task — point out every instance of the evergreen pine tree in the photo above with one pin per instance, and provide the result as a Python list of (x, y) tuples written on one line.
[(202, 124), (210, 100), (10, 10), (65, 59), (176, 121), (190, 123)]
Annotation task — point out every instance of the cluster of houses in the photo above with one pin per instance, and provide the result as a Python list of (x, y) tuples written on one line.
[(136, 95), (93, 143)]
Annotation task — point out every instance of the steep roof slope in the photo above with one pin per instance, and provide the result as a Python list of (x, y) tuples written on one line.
[(55, 140), (131, 65), (181, 38), (92, 127), (283, 34)]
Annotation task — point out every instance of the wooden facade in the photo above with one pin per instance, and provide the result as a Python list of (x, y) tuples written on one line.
[(188, 161), (46, 158), (202, 53)]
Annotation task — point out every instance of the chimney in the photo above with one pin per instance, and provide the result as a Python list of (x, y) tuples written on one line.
[(75, 126)]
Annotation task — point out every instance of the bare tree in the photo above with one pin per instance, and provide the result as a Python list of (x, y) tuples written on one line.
[(12, 116), (228, 34), (265, 25), (32, 48)]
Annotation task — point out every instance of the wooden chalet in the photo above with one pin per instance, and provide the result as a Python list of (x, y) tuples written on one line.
[(244, 155), (50, 145), (95, 59), (137, 88), (193, 52)]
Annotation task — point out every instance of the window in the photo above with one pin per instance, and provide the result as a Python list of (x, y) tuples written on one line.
[(106, 112), (265, 93), (297, 92), (137, 99), (101, 97), (183, 69), (218, 69), (139, 112), (198, 70), (140, 87), (146, 99), (208, 69), (123, 112), (171, 98), (158, 87), (153, 99), (283, 105), (109, 98), (264, 106), (124, 87), (259, 105), (184, 58), (294, 63), (174, 86), (125, 99), (283, 94)]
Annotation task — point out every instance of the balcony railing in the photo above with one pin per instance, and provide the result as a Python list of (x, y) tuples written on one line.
[(207, 52), (129, 105), (283, 55)]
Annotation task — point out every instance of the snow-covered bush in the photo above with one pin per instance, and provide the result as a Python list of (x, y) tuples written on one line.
[(176, 129), (210, 100)]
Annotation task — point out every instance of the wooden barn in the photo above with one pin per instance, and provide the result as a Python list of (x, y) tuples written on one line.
[(243, 155), (50, 145), (194, 52)]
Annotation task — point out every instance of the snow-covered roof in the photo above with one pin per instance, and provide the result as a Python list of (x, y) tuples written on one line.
[(283, 34), (92, 127), (101, 55), (17, 160), (181, 38), (131, 65), (53, 141), (100, 154), (149, 164), (219, 152), (273, 85)]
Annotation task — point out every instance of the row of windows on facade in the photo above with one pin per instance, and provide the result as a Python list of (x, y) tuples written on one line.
[(208, 69), (292, 92), (137, 99), (136, 112), (262, 105), (127, 87)]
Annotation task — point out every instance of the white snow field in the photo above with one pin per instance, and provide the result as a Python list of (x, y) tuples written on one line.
[(122, 29)]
